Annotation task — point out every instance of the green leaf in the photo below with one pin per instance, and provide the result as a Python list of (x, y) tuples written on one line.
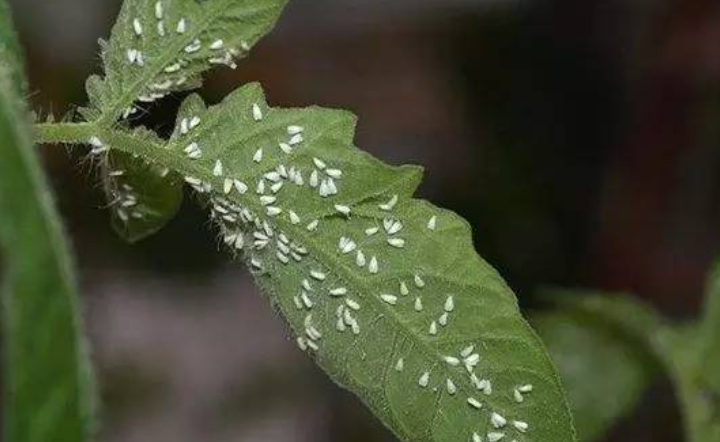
[(143, 198), (156, 48), (159, 47), (48, 387), (710, 335), (679, 346), (603, 372), (10, 53), (383, 290), (677, 349)]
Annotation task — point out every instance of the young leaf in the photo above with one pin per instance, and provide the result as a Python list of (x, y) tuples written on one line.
[(143, 198), (676, 349), (385, 291), (163, 46), (158, 47), (603, 372), (47, 379)]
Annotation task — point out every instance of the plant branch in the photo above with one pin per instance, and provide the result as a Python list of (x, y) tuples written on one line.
[(69, 133)]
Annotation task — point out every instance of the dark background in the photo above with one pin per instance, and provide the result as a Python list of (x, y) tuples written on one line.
[(579, 138)]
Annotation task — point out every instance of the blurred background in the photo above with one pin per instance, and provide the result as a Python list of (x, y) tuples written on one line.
[(580, 139)]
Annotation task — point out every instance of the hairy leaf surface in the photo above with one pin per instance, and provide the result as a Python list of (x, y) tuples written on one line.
[(158, 47), (47, 382), (385, 291), (163, 46)]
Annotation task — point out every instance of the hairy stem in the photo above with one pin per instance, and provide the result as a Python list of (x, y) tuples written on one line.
[(70, 133)]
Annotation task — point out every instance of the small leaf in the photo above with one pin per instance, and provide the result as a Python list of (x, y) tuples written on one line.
[(677, 349), (48, 390), (604, 373), (684, 363), (143, 198), (383, 290), (163, 46)]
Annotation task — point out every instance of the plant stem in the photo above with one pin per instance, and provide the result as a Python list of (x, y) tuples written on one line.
[(70, 133)]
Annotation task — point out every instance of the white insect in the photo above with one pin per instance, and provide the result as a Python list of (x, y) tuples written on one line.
[(334, 173), (432, 223), (392, 227), (294, 130), (474, 403), (132, 55), (137, 27), (320, 276), (449, 304), (360, 259), (390, 299), (497, 420), (396, 242), (519, 398), (313, 225), (314, 179), (296, 139), (260, 189), (258, 156), (467, 351), (373, 267), (352, 304), (400, 365), (320, 164), (340, 291), (217, 44), (390, 205), (371, 231), (159, 10), (521, 426), (266, 200), (495, 436), (286, 148), (181, 26), (419, 282), (452, 360), (257, 113), (451, 388), (342, 209), (424, 379), (241, 187), (227, 186), (218, 170)]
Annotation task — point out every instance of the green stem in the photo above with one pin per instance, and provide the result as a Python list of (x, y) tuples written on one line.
[(70, 133)]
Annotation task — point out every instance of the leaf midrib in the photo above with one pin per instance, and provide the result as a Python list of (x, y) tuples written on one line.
[(181, 166)]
